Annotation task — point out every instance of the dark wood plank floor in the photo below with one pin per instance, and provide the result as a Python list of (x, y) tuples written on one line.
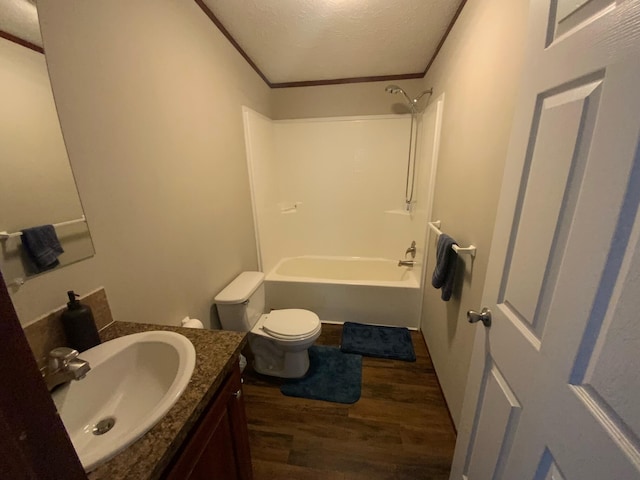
[(399, 429)]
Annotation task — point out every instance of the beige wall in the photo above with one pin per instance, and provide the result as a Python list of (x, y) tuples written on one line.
[(341, 100), (478, 68), (149, 95)]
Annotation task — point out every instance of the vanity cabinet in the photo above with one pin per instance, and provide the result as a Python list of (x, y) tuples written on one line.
[(218, 447)]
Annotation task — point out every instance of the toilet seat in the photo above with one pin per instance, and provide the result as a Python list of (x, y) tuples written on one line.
[(290, 324)]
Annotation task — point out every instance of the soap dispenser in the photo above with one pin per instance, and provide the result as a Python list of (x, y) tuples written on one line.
[(79, 325)]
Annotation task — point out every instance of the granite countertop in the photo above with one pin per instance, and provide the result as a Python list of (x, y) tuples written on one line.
[(216, 354)]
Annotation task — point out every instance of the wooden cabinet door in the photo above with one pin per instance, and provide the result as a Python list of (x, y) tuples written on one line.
[(239, 429), (219, 448)]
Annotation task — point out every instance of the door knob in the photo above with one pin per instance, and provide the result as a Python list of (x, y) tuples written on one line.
[(484, 316)]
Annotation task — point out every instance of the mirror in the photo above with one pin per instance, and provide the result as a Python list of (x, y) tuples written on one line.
[(36, 182)]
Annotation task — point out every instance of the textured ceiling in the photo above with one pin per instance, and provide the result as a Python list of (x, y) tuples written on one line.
[(20, 18), (319, 40)]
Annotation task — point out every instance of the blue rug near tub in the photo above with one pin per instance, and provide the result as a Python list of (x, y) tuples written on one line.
[(333, 376), (374, 341)]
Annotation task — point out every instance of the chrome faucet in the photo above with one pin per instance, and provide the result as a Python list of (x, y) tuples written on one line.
[(406, 263), (411, 250), (64, 366)]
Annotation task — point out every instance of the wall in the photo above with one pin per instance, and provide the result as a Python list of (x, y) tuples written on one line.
[(149, 95), (36, 185), (479, 68), (342, 100)]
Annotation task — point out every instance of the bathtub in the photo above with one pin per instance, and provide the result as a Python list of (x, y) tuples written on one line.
[(347, 289)]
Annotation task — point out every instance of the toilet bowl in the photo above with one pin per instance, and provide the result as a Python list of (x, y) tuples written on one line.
[(279, 339)]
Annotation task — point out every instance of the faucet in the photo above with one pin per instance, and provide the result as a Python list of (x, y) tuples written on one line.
[(64, 366), (411, 250), (406, 263)]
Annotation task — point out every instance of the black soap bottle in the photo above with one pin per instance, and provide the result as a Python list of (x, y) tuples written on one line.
[(79, 325)]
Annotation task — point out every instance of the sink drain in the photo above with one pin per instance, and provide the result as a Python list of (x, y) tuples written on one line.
[(103, 426)]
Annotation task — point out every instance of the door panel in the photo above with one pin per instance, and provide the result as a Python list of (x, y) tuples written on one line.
[(560, 136), (619, 334), (497, 420), (604, 373), (568, 15)]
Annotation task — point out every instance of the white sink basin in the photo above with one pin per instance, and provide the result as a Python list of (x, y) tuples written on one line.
[(133, 380)]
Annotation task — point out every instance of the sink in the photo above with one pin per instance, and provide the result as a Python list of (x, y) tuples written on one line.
[(133, 382)]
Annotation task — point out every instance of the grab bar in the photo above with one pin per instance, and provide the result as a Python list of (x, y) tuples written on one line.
[(470, 250), (4, 235)]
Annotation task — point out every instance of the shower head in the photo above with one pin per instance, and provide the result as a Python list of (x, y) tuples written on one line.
[(396, 89), (413, 104)]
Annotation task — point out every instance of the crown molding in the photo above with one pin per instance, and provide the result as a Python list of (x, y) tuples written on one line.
[(335, 81), (20, 41)]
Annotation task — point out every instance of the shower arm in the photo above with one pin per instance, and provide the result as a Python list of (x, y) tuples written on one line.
[(422, 94), (412, 103)]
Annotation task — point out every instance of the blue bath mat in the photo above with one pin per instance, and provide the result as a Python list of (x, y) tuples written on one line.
[(382, 342), (333, 376)]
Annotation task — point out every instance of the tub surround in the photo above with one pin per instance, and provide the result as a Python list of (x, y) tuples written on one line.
[(314, 180), (216, 355)]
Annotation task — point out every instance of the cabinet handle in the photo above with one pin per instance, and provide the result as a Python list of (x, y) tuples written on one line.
[(237, 394)]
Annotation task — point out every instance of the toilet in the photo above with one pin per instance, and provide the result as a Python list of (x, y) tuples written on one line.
[(280, 339)]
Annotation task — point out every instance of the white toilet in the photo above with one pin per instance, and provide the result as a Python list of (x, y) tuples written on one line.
[(279, 339)]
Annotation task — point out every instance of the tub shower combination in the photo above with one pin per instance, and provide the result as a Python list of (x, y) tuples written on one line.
[(332, 185), (341, 289)]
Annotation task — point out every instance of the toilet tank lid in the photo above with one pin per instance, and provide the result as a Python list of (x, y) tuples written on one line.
[(240, 289)]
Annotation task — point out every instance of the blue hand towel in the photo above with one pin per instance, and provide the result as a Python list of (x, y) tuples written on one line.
[(446, 261), (42, 246)]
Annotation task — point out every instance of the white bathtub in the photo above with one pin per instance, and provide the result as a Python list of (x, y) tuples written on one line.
[(341, 289)]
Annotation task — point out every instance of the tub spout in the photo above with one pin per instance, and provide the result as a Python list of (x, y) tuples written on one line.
[(406, 263)]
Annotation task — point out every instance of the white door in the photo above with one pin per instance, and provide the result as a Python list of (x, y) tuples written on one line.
[(554, 387)]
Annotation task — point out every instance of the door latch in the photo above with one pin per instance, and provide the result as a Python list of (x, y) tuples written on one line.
[(484, 316)]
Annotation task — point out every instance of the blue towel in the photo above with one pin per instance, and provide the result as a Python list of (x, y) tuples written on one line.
[(42, 246), (446, 261)]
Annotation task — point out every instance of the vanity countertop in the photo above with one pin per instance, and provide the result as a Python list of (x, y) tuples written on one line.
[(216, 354)]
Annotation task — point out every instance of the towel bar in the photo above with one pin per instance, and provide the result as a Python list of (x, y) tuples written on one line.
[(5, 235), (470, 250)]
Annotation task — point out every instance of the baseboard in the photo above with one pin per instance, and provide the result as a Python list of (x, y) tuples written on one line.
[(331, 322)]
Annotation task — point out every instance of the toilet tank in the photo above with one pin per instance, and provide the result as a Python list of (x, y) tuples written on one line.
[(241, 303)]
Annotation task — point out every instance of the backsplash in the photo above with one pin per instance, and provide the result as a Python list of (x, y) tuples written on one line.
[(47, 333)]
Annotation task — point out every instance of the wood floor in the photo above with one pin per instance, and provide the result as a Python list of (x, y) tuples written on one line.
[(399, 429)]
